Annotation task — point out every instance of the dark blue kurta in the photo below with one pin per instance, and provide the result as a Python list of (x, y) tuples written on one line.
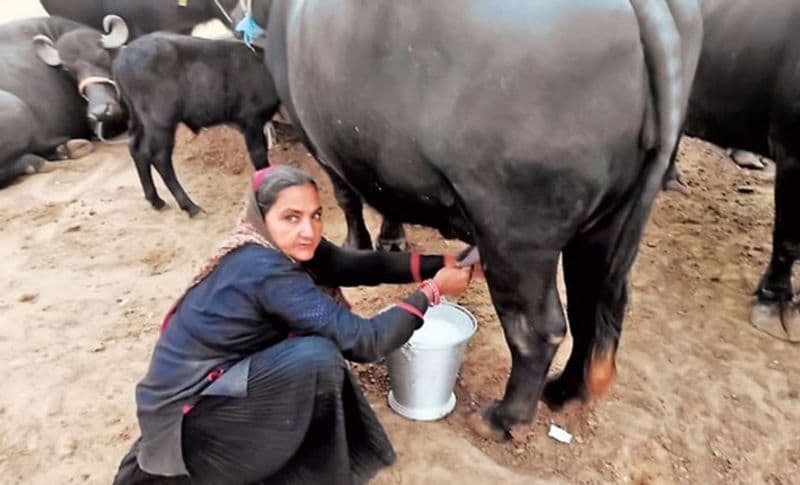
[(251, 301)]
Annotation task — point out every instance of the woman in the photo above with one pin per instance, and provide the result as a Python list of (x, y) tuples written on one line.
[(248, 381)]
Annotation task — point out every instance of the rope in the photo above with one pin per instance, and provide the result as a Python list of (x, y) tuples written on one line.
[(96, 80), (224, 12)]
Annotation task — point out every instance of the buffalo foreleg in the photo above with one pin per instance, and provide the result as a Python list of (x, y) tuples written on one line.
[(256, 142), (72, 149), (350, 202), (392, 236), (673, 179), (139, 149)]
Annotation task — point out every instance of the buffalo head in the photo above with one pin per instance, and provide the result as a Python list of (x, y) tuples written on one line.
[(86, 56)]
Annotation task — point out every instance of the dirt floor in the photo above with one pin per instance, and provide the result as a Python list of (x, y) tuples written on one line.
[(89, 269)]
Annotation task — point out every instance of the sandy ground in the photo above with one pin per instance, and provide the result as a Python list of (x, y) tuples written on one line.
[(89, 269)]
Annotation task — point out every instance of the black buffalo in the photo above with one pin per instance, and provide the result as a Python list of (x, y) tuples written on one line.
[(166, 79), (55, 86), (144, 16), (585, 100), (747, 95)]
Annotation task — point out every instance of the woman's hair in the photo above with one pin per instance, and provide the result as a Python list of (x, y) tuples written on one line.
[(276, 178)]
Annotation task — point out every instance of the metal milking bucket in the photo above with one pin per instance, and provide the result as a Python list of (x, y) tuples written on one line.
[(423, 371)]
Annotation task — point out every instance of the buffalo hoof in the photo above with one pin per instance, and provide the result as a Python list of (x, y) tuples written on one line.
[(560, 392), (61, 152), (676, 185), (481, 423), (390, 245), (43, 167), (75, 148), (193, 210), (158, 204), (355, 242), (746, 159), (778, 319), (31, 164)]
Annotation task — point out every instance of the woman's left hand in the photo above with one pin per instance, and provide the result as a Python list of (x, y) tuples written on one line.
[(468, 258), (452, 281)]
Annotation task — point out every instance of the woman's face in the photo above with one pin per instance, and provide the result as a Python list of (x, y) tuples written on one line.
[(295, 221)]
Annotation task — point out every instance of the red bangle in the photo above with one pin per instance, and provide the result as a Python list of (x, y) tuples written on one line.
[(410, 309), (415, 271), (437, 294)]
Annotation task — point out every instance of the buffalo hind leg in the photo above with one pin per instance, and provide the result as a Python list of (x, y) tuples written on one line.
[(596, 269), (27, 164), (596, 300), (527, 302), (774, 311), (140, 152)]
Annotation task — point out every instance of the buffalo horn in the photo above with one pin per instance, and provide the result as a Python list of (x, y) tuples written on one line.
[(116, 32)]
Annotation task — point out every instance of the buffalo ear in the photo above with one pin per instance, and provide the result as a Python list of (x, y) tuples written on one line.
[(116, 32), (46, 50)]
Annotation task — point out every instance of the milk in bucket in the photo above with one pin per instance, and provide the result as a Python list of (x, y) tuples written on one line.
[(437, 332)]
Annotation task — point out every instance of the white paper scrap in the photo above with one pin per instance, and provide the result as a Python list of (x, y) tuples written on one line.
[(559, 434)]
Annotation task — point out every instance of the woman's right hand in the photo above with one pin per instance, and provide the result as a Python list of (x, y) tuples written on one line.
[(453, 281)]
